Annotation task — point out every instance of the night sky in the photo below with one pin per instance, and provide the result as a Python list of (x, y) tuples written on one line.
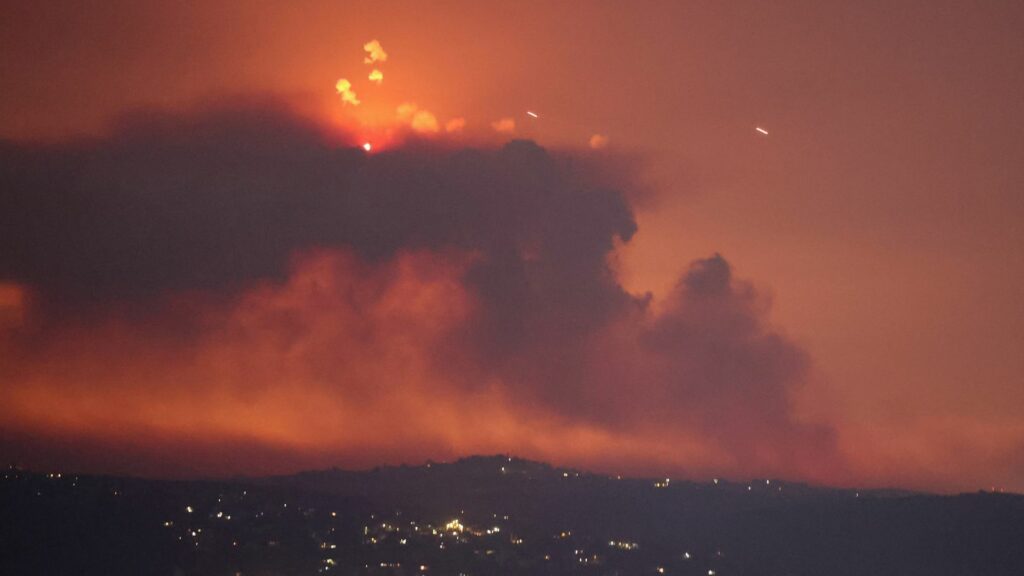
[(697, 239)]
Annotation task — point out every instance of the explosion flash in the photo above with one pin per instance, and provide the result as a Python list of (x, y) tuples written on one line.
[(374, 52), (344, 88), (376, 76)]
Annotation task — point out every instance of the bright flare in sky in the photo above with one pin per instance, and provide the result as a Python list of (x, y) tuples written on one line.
[(761, 130), (367, 146), (533, 114)]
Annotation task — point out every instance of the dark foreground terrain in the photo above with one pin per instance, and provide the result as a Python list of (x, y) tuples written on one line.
[(494, 515)]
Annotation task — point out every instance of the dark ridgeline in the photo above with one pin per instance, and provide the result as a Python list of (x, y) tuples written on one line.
[(495, 515)]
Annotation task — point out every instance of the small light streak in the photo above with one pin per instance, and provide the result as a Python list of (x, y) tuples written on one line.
[(761, 130), (532, 114)]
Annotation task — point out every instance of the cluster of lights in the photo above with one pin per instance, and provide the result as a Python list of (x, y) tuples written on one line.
[(454, 527)]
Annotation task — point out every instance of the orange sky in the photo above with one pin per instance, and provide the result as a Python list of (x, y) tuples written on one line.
[(882, 213)]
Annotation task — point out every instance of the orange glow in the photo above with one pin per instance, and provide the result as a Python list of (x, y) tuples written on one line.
[(13, 304), (420, 121), (340, 361), (12, 296), (504, 125), (902, 286), (455, 125)]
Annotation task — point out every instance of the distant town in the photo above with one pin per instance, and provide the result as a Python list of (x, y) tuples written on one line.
[(494, 515)]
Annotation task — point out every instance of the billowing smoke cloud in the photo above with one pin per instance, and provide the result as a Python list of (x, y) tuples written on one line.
[(237, 275)]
